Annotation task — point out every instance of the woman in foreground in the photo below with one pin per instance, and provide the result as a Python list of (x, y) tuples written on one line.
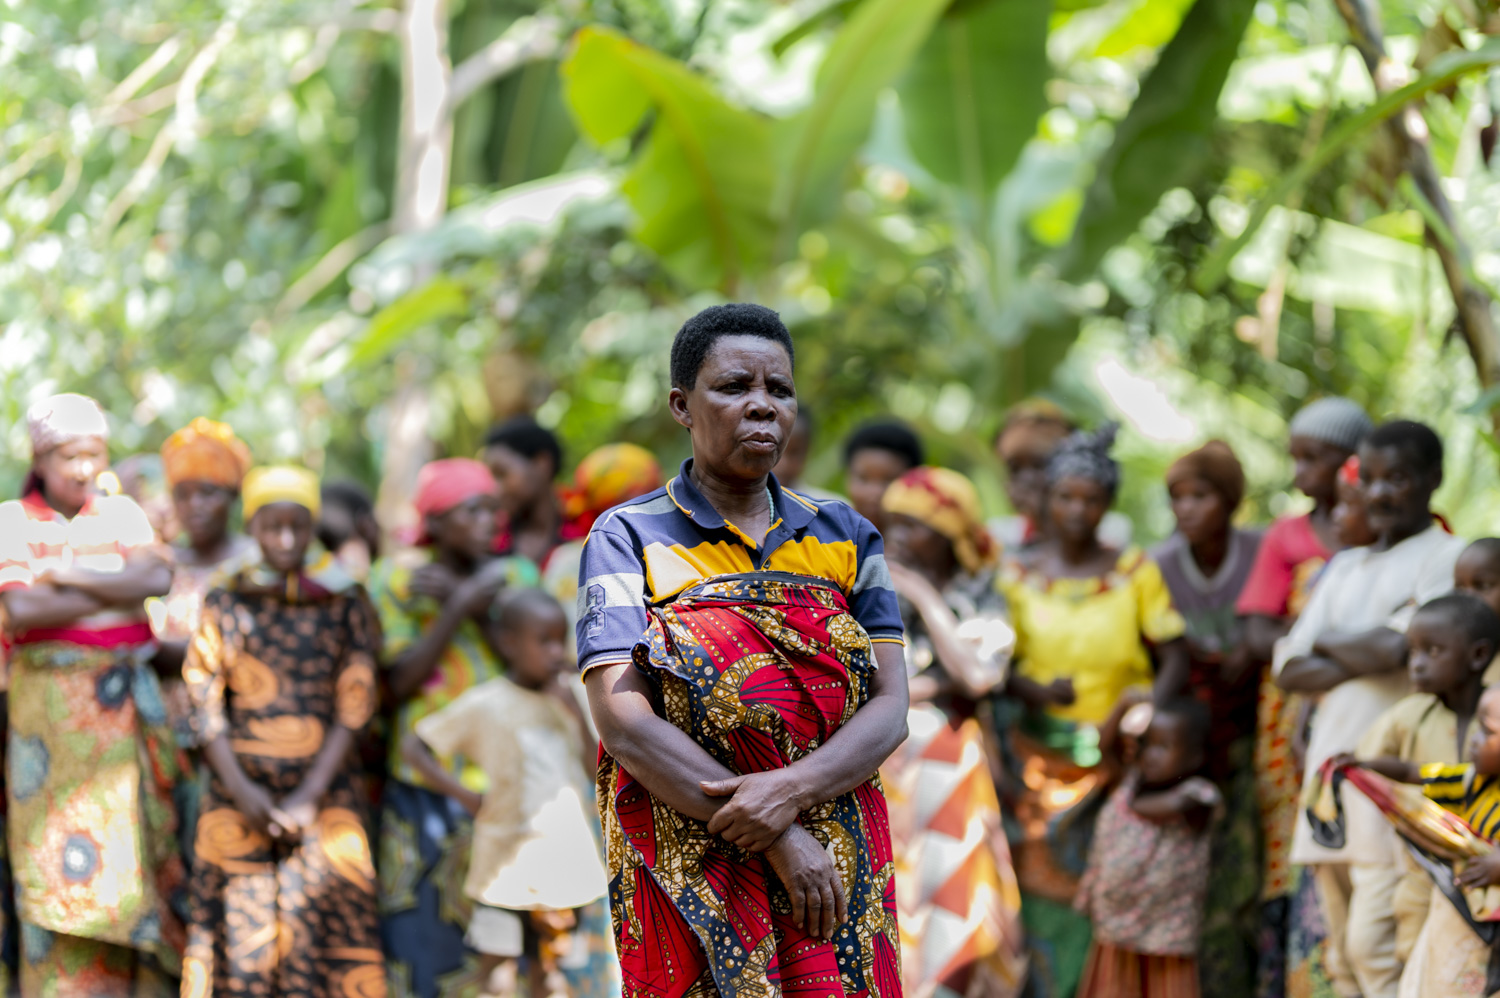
[(741, 645)]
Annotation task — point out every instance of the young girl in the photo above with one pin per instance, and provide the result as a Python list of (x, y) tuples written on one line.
[(1147, 877), (282, 673)]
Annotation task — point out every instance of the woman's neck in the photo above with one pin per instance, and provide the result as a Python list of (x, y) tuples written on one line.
[(735, 500), (541, 517), (457, 562), (1211, 553), (213, 551), (67, 512), (1078, 552)]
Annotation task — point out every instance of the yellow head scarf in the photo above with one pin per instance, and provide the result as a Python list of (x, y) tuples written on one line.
[(281, 483), (205, 451), (948, 503)]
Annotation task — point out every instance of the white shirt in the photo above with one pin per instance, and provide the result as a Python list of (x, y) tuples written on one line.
[(1361, 589)]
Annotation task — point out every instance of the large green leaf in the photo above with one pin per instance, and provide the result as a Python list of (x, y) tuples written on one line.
[(1163, 141), (701, 186), (441, 298), (869, 53), (975, 91)]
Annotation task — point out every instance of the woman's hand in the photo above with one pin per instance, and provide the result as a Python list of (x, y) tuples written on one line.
[(1482, 871), (812, 882), (295, 814), (1060, 693), (252, 800), (475, 594), (433, 581), (762, 806)]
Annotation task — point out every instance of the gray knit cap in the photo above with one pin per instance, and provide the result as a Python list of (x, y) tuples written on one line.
[(1333, 420), (1086, 455)]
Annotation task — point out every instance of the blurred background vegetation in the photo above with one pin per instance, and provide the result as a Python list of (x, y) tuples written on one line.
[(360, 231)]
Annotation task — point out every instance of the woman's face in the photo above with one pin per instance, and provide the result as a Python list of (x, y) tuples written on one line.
[(203, 510), (69, 470), (524, 481), (871, 471), (1202, 515), (284, 530), (741, 409), (467, 530), (1316, 467), (1075, 506), (910, 542)]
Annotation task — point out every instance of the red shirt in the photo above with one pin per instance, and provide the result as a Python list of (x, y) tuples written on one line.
[(1288, 549)]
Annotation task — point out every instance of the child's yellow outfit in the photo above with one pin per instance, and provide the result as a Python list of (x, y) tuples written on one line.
[(1449, 960)]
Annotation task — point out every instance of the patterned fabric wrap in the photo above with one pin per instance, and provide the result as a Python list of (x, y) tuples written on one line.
[(611, 475), (760, 670), (277, 917), (205, 451), (948, 503), (92, 763)]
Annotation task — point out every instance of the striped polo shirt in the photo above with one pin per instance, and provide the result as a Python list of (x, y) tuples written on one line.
[(647, 551), (36, 539)]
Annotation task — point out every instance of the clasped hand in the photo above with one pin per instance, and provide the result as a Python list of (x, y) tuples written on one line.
[(761, 816)]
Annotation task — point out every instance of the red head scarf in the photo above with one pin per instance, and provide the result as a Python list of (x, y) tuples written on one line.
[(442, 485)]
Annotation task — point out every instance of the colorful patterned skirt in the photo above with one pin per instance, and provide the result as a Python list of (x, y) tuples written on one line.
[(759, 670), (91, 826), (956, 889)]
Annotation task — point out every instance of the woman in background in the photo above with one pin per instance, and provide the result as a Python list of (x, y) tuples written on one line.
[(955, 886), (1205, 564), (1087, 619), (875, 455), (91, 757), (282, 675)]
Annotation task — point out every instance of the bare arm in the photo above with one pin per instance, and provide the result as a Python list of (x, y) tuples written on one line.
[(663, 758), (1260, 635), (1172, 669), (146, 574), (250, 798), (416, 664), (1364, 653), (420, 758), (1311, 674), (46, 605), (958, 657)]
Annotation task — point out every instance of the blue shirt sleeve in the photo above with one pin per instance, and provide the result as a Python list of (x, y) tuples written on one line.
[(611, 596), (873, 598)]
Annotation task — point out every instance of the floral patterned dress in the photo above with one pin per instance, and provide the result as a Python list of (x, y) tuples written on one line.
[(274, 676)]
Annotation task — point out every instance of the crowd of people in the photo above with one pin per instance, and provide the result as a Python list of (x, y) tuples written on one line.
[(621, 734)]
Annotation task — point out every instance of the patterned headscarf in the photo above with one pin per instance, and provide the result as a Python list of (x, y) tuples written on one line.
[(613, 474), (59, 419), (948, 503), (1086, 455), (205, 451), (281, 483), (1215, 463), (450, 482)]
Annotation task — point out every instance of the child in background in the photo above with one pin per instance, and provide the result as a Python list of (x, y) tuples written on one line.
[(1451, 637), (1147, 876), (1478, 574), (535, 858), (1447, 662)]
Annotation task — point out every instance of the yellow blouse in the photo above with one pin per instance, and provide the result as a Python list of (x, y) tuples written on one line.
[(1090, 630)]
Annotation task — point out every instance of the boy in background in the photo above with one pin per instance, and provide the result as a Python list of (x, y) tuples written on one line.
[(535, 858)]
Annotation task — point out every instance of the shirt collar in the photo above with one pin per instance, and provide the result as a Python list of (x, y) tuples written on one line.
[(791, 509)]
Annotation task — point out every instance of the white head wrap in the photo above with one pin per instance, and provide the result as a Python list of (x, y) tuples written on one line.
[(57, 420)]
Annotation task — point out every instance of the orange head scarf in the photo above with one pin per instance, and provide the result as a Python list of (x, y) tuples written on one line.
[(205, 451), (948, 503), (613, 474)]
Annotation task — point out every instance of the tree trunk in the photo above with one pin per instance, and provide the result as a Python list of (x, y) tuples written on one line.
[(1475, 318)]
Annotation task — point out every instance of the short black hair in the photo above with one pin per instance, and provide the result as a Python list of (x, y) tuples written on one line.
[(691, 346), (1471, 615), (888, 435), (1487, 546), (1196, 718), (1417, 439), (513, 606), (527, 438), (351, 497)]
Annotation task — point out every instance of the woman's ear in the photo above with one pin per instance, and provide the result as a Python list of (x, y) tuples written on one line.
[(677, 403), (1482, 653)]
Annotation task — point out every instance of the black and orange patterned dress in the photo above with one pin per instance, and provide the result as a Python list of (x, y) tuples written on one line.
[(274, 675)]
